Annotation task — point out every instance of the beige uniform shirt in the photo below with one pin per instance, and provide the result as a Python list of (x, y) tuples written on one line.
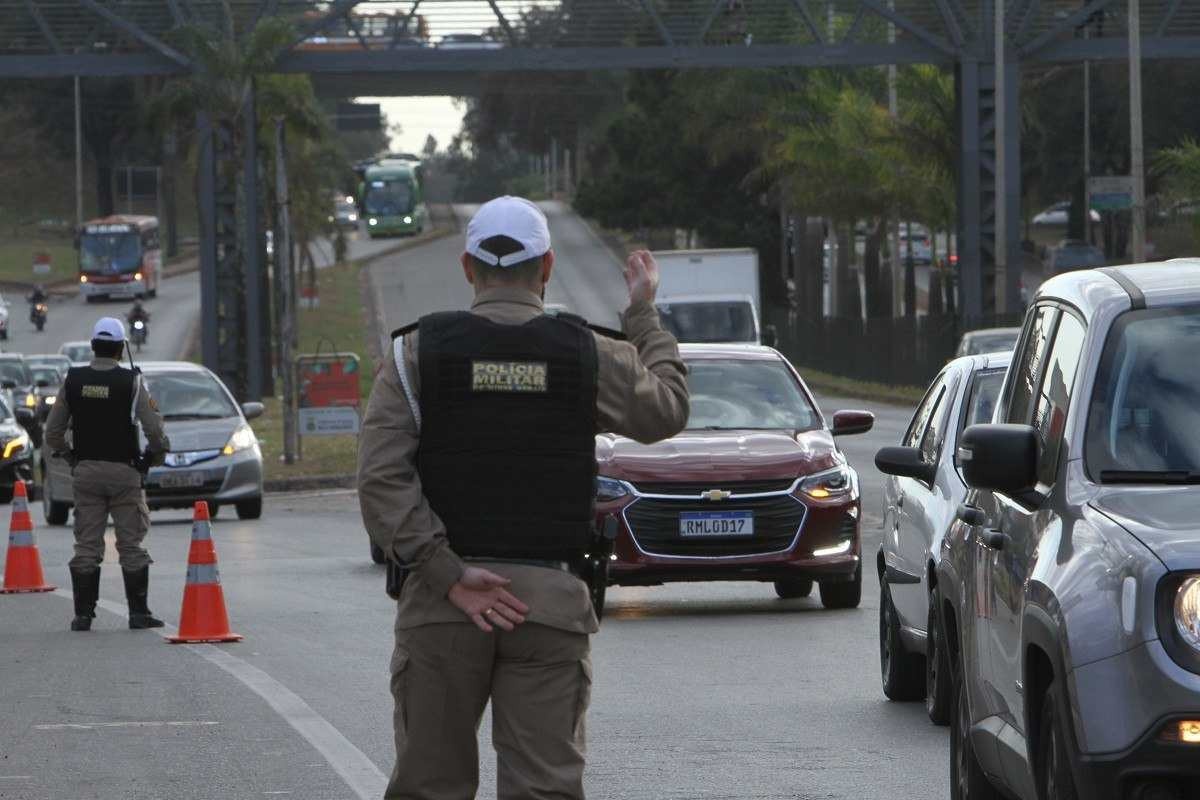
[(642, 394), (59, 421)]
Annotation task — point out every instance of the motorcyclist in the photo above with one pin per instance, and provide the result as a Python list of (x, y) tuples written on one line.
[(139, 314), (38, 295)]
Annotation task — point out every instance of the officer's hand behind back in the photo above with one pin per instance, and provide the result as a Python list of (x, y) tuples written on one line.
[(480, 594), (641, 275)]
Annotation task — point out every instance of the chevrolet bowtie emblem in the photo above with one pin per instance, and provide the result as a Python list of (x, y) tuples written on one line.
[(716, 494)]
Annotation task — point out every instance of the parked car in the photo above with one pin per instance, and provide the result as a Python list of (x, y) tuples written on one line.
[(79, 353), (469, 41), (214, 454), (921, 497), (1071, 580), (1058, 213), (988, 340), (1071, 254), (20, 392), (755, 488)]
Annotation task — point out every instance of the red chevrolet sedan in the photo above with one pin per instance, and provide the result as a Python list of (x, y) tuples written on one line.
[(755, 488)]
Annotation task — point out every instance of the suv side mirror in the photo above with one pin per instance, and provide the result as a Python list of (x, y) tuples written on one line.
[(252, 410), (905, 462), (848, 423), (999, 458), (770, 336)]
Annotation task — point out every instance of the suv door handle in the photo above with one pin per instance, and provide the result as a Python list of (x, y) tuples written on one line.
[(996, 540)]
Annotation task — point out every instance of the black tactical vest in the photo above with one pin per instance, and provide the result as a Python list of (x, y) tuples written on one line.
[(507, 456), (101, 404)]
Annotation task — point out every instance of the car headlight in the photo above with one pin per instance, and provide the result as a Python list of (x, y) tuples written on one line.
[(1187, 611), (352, 217), (830, 484), (51, 399), (16, 446), (608, 489), (242, 439), (372, 221), (408, 220)]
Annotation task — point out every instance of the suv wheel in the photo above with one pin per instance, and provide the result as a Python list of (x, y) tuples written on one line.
[(967, 781), (902, 672), (939, 683), (249, 509), (842, 594), (1053, 763), (792, 588)]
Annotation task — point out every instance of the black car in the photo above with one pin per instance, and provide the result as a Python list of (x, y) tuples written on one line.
[(18, 383)]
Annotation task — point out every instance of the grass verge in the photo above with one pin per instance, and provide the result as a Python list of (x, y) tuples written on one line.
[(836, 385), (16, 261)]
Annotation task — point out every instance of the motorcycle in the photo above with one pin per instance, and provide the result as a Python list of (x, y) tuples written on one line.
[(37, 315), (138, 335)]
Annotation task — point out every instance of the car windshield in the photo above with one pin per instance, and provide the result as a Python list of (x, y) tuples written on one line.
[(984, 393), (1075, 257), (78, 352), (15, 372), (992, 343), (110, 252), (738, 394), (711, 322), (188, 395), (50, 375), (1145, 413), (388, 198)]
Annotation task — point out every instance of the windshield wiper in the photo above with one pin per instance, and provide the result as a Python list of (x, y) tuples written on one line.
[(1178, 476), (195, 416)]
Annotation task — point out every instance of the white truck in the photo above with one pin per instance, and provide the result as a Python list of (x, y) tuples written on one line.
[(710, 296)]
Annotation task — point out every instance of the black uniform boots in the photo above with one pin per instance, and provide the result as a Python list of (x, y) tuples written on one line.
[(86, 588), (137, 584)]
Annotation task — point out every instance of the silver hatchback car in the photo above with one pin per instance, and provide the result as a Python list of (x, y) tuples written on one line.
[(1071, 581), (214, 453)]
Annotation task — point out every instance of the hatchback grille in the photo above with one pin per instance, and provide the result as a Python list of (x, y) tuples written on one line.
[(655, 527), (737, 487)]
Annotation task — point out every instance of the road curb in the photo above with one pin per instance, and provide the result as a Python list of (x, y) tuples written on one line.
[(310, 483)]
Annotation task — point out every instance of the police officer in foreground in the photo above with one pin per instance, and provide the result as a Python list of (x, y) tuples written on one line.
[(477, 471), (102, 404)]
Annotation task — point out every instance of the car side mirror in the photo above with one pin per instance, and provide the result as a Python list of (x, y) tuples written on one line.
[(999, 458), (905, 462), (252, 410), (770, 336), (848, 423), (24, 415)]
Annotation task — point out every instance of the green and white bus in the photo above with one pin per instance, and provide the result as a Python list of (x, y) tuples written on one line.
[(392, 201)]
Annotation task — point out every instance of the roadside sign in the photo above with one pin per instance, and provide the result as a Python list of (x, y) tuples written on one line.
[(328, 393), (328, 421), (41, 263), (1111, 192)]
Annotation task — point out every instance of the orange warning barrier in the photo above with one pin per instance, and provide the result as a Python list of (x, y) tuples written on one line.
[(23, 564), (203, 618)]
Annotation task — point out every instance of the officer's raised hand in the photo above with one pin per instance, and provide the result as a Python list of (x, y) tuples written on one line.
[(480, 594), (641, 275)]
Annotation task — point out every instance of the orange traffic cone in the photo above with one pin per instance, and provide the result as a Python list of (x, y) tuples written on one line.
[(203, 618), (23, 565)]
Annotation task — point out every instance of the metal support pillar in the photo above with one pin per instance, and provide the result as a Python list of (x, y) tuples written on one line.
[(206, 185), (251, 247), (1010, 140), (970, 256)]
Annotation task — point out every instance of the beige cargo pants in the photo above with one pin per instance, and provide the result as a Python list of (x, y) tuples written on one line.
[(103, 488), (539, 680)]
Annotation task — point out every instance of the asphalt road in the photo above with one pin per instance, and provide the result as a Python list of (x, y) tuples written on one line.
[(701, 691)]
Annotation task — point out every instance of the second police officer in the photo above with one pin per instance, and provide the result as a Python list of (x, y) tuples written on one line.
[(477, 471), (102, 405)]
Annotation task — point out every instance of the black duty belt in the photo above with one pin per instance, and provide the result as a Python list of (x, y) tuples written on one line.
[(562, 566)]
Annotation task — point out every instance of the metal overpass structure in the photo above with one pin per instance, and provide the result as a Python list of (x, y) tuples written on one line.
[(423, 50)]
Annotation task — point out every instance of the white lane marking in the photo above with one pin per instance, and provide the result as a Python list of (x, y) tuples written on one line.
[(350, 763), (16, 777), (91, 726)]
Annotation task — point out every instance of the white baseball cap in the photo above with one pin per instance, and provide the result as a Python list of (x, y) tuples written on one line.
[(109, 329), (514, 217)]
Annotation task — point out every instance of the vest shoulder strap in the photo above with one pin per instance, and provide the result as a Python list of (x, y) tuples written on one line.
[(579, 321)]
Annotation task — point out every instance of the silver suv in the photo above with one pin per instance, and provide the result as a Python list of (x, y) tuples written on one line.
[(1071, 581)]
